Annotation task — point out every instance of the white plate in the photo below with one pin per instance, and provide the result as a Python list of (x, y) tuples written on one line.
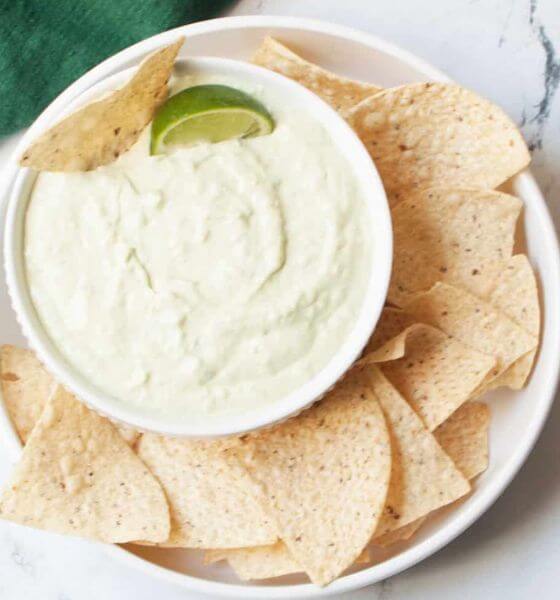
[(517, 417)]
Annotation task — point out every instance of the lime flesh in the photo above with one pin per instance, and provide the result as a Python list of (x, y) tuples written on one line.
[(208, 113)]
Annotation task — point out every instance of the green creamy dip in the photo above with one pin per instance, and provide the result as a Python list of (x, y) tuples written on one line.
[(211, 280)]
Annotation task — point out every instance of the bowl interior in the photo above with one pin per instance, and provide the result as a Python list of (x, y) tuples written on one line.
[(371, 190), (516, 417)]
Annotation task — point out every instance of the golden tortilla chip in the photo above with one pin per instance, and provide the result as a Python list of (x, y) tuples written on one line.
[(98, 133), (264, 562), (392, 322), (423, 477), (341, 93), (129, 435), (460, 236), (516, 375), (401, 534), (213, 501), (437, 373), (515, 292), (464, 437), (77, 476), (393, 349), (26, 386), (473, 322), (259, 562), (427, 134), (325, 475)]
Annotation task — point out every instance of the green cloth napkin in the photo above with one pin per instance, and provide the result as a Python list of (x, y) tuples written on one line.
[(47, 44)]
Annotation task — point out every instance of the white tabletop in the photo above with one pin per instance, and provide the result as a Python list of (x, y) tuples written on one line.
[(509, 51)]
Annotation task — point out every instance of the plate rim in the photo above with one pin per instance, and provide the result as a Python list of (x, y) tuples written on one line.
[(480, 504)]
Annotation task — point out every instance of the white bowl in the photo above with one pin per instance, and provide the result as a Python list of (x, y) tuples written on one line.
[(372, 191), (517, 418)]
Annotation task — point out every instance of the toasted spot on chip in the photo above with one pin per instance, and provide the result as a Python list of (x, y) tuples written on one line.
[(437, 373), (474, 322), (26, 385), (129, 435), (213, 501), (78, 476), (460, 236), (340, 92), (515, 292), (464, 437), (10, 377), (399, 535), (427, 134), (98, 133), (325, 475), (423, 477)]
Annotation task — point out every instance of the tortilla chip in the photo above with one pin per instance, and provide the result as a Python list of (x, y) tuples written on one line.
[(516, 375), (341, 93), (98, 133), (77, 476), (213, 501), (460, 236), (474, 322), (388, 341), (263, 562), (423, 477), (364, 557), (427, 134), (401, 534), (392, 322), (464, 437), (259, 562), (393, 349), (437, 373), (325, 475), (515, 292), (26, 386), (129, 435)]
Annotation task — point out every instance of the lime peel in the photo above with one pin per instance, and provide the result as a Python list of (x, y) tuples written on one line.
[(208, 113)]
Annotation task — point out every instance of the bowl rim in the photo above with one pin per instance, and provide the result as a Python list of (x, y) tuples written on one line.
[(480, 501), (371, 190)]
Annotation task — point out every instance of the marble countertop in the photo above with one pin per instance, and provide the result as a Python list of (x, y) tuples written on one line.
[(509, 51)]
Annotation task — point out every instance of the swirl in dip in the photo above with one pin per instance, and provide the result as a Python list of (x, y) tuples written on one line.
[(211, 280)]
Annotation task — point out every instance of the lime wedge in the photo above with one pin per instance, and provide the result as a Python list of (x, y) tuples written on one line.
[(208, 113)]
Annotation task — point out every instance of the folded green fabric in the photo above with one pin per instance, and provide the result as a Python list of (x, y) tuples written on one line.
[(46, 44)]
